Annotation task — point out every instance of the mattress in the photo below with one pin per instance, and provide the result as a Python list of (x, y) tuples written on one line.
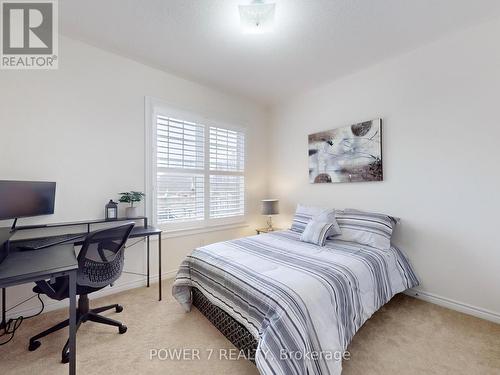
[(301, 303)]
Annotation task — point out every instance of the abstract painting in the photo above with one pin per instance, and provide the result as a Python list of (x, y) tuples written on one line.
[(348, 154)]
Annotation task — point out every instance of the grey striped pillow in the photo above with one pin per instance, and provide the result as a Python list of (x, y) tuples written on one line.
[(304, 214), (365, 228), (316, 232)]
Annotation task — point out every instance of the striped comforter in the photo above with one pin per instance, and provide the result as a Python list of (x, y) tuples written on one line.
[(303, 303)]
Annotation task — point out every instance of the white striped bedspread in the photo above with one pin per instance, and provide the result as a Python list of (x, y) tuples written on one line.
[(303, 303)]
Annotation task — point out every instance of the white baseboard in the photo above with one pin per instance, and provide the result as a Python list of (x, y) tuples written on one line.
[(51, 305), (455, 305)]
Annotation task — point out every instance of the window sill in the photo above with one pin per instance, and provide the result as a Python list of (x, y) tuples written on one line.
[(193, 231)]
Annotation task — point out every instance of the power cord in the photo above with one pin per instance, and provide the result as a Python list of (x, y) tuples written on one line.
[(14, 324)]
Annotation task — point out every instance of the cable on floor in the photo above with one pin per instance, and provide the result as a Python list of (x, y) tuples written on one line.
[(13, 324)]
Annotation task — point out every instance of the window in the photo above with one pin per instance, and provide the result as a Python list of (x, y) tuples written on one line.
[(197, 171)]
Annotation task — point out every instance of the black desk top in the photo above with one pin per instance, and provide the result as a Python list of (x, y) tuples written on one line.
[(81, 222), (144, 231), (22, 266), (136, 232)]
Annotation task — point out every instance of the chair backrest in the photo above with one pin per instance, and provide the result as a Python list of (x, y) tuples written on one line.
[(100, 261)]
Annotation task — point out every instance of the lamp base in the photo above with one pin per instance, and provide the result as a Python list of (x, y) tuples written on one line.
[(270, 223)]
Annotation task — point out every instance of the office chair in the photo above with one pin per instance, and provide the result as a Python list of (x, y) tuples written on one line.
[(100, 263)]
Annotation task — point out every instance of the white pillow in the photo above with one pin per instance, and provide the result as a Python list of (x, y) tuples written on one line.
[(316, 232), (304, 214)]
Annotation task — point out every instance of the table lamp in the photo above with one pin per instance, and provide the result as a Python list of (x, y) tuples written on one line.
[(270, 207)]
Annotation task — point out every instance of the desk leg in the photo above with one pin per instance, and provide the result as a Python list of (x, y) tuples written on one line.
[(159, 266), (3, 323), (147, 247), (72, 323)]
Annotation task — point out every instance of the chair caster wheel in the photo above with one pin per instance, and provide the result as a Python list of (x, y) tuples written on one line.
[(122, 329), (119, 308), (34, 345), (65, 358)]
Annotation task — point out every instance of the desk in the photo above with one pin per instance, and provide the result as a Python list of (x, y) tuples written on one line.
[(13, 272), (22, 267), (145, 231)]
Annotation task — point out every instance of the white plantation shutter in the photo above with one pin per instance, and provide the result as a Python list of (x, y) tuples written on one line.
[(227, 150), (227, 196), (180, 153), (227, 164), (180, 144), (180, 197), (199, 172)]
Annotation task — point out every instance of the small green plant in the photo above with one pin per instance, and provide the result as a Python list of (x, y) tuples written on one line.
[(131, 197)]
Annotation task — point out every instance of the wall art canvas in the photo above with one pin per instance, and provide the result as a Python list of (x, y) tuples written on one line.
[(348, 154)]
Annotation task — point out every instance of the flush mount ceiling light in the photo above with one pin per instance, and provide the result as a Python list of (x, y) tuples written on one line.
[(257, 17)]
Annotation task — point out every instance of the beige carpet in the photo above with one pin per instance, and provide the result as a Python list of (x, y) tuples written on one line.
[(407, 336)]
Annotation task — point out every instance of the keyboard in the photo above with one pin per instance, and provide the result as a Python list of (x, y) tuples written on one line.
[(42, 243)]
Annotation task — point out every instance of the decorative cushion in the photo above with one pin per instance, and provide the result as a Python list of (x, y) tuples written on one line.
[(316, 232), (366, 228), (304, 214)]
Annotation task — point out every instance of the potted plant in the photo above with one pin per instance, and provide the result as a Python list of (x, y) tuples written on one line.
[(131, 197)]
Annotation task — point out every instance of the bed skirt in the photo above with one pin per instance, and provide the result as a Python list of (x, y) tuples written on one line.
[(227, 325)]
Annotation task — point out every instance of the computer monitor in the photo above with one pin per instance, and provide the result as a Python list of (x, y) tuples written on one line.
[(26, 198)]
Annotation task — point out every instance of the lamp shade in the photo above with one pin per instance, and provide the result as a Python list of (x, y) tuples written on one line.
[(270, 207)]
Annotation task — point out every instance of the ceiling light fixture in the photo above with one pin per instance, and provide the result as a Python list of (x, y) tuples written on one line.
[(257, 17)]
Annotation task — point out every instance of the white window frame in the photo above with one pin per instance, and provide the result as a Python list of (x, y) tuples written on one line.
[(154, 107)]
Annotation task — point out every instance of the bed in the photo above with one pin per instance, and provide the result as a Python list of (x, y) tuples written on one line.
[(294, 306)]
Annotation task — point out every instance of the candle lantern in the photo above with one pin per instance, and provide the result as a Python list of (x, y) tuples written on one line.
[(111, 210)]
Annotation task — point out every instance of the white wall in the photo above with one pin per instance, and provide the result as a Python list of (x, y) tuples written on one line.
[(83, 126), (441, 161)]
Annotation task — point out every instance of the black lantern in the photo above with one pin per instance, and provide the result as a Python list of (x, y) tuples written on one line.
[(111, 210)]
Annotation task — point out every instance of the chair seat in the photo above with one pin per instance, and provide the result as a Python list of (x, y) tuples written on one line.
[(62, 289)]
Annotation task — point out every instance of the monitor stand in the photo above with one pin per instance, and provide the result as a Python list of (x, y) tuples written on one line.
[(13, 227)]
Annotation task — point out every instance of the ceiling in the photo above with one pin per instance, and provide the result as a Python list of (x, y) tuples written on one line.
[(314, 41)]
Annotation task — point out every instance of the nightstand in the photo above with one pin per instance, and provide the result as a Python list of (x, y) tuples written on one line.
[(266, 230)]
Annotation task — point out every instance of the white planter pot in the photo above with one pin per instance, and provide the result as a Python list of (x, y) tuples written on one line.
[(131, 212)]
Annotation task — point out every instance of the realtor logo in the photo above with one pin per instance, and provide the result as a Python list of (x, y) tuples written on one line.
[(29, 34)]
